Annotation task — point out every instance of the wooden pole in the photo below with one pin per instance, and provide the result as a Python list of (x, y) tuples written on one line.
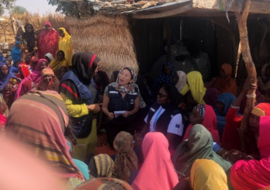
[(252, 74)]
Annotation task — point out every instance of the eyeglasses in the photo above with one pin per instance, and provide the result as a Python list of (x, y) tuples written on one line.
[(162, 95)]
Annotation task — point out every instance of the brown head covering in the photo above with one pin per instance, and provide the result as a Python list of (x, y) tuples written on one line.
[(126, 161)]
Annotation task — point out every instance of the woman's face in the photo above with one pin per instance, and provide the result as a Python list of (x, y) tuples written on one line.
[(28, 59), (96, 70), (195, 117), (29, 29), (175, 79), (47, 78), (60, 56), (47, 27), (222, 73), (4, 70), (61, 33), (62, 72), (8, 63), (254, 122), (7, 90), (167, 70), (124, 77), (220, 107), (163, 97), (43, 65)]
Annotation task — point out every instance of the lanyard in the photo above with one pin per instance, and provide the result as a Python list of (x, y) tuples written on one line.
[(156, 119)]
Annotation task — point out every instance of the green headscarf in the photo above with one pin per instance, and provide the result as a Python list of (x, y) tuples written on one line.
[(198, 146)]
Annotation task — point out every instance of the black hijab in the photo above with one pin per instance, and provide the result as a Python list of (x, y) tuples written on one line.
[(29, 38), (84, 65)]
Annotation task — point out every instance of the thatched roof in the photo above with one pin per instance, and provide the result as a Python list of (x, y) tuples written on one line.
[(108, 37)]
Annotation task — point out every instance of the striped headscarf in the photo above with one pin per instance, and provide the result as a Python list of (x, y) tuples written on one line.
[(41, 125), (101, 166)]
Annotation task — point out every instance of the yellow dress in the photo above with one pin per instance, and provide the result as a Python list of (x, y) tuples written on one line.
[(65, 45)]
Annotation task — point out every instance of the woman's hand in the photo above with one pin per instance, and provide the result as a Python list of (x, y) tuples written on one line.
[(95, 108), (110, 115), (248, 86), (126, 114)]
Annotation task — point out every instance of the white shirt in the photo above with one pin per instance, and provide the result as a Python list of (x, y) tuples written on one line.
[(175, 126)]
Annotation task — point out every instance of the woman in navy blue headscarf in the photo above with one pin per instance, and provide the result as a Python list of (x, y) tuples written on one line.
[(224, 102), (166, 77)]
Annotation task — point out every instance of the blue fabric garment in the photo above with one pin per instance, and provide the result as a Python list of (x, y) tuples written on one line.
[(82, 167), (4, 79), (227, 99), (13, 70), (163, 78), (16, 53), (84, 92)]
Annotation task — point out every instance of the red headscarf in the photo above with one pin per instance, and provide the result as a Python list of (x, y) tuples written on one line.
[(228, 84), (253, 174), (25, 70), (47, 41), (209, 122), (161, 171)]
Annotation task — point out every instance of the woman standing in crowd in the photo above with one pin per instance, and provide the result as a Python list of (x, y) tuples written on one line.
[(65, 44), (47, 41), (196, 87), (44, 136), (224, 82), (28, 41), (126, 161), (254, 174), (224, 102), (199, 145), (49, 81), (205, 115), (157, 171), (59, 61), (121, 96), (166, 76), (16, 57), (78, 91), (34, 77), (165, 117)]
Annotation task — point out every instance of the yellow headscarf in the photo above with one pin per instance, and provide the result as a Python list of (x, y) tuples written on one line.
[(196, 86), (65, 45), (207, 175), (56, 64)]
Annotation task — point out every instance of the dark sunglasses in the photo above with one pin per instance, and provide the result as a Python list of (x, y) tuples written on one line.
[(162, 95)]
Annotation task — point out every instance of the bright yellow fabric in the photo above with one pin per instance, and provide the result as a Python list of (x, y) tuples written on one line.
[(87, 145), (74, 110), (196, 86), (55, 64), (207, 175), (65, 45)]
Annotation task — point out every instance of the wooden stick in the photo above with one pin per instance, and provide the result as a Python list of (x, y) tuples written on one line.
[(252, 74), (237, 60)]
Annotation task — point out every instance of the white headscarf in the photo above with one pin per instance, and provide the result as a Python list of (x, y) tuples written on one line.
[(182, 80)]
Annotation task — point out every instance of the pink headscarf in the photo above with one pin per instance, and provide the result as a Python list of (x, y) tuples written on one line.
[(253, 174), (157, 171), (209, 122), (35, 77)]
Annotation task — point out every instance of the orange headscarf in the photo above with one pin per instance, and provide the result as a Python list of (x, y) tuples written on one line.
[(227, 84)]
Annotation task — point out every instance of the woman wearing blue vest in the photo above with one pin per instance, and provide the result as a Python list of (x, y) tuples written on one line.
[(166, 117), (121, 101), (77, 89)]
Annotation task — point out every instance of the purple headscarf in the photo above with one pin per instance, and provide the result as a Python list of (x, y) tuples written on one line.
[(211, 96)]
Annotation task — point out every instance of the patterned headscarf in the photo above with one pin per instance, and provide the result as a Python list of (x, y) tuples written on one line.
[(126, 161), (201, 109), (101, 165), (130, 88)]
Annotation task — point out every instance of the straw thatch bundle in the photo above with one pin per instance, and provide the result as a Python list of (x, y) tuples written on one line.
[(108, 37)]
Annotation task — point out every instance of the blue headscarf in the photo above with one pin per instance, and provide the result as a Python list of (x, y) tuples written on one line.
[(227, 99), (163, 77), (16, 53), (4, 79)]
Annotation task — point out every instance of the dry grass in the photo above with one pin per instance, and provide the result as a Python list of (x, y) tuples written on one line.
[(36, 20), (108, 37)]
